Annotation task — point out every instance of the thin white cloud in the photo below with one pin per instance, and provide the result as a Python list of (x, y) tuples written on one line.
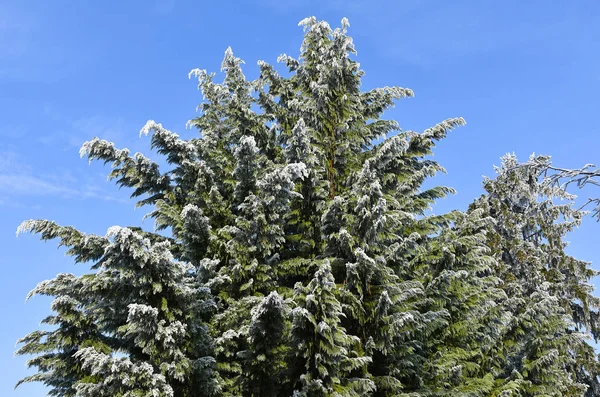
[(17, 179), (10, 162), (29, 185)]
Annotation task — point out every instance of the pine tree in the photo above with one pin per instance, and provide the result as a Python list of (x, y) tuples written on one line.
[(75, 327), (134, 326), (294, 254), (54, 350), (358, 200), (550, 298)]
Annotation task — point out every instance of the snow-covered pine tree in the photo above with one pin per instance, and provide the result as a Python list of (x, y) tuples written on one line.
[(382, 223), (134, 327), (545, 348), (361, 207), (54, 350), (296, 255)]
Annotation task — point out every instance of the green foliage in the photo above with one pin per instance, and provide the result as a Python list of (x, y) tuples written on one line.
[(298, 257), (264, 361), (327, 354), (553, 312)]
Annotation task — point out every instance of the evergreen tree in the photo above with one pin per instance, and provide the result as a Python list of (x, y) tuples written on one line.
[(553, 311), (75, 327), (294, 254), (54, 350), (134, 327)]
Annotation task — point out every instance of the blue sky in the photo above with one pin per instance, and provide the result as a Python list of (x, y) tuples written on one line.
[(525, 76)]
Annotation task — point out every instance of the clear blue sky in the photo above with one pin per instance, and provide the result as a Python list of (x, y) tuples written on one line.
[(525, 76)]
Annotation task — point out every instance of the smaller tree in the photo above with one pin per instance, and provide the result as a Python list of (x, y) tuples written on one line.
[(75, 327), (133, 327), (54, 351), (549, 293)]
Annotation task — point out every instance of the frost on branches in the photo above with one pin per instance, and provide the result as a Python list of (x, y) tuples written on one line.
[(297, 257)]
